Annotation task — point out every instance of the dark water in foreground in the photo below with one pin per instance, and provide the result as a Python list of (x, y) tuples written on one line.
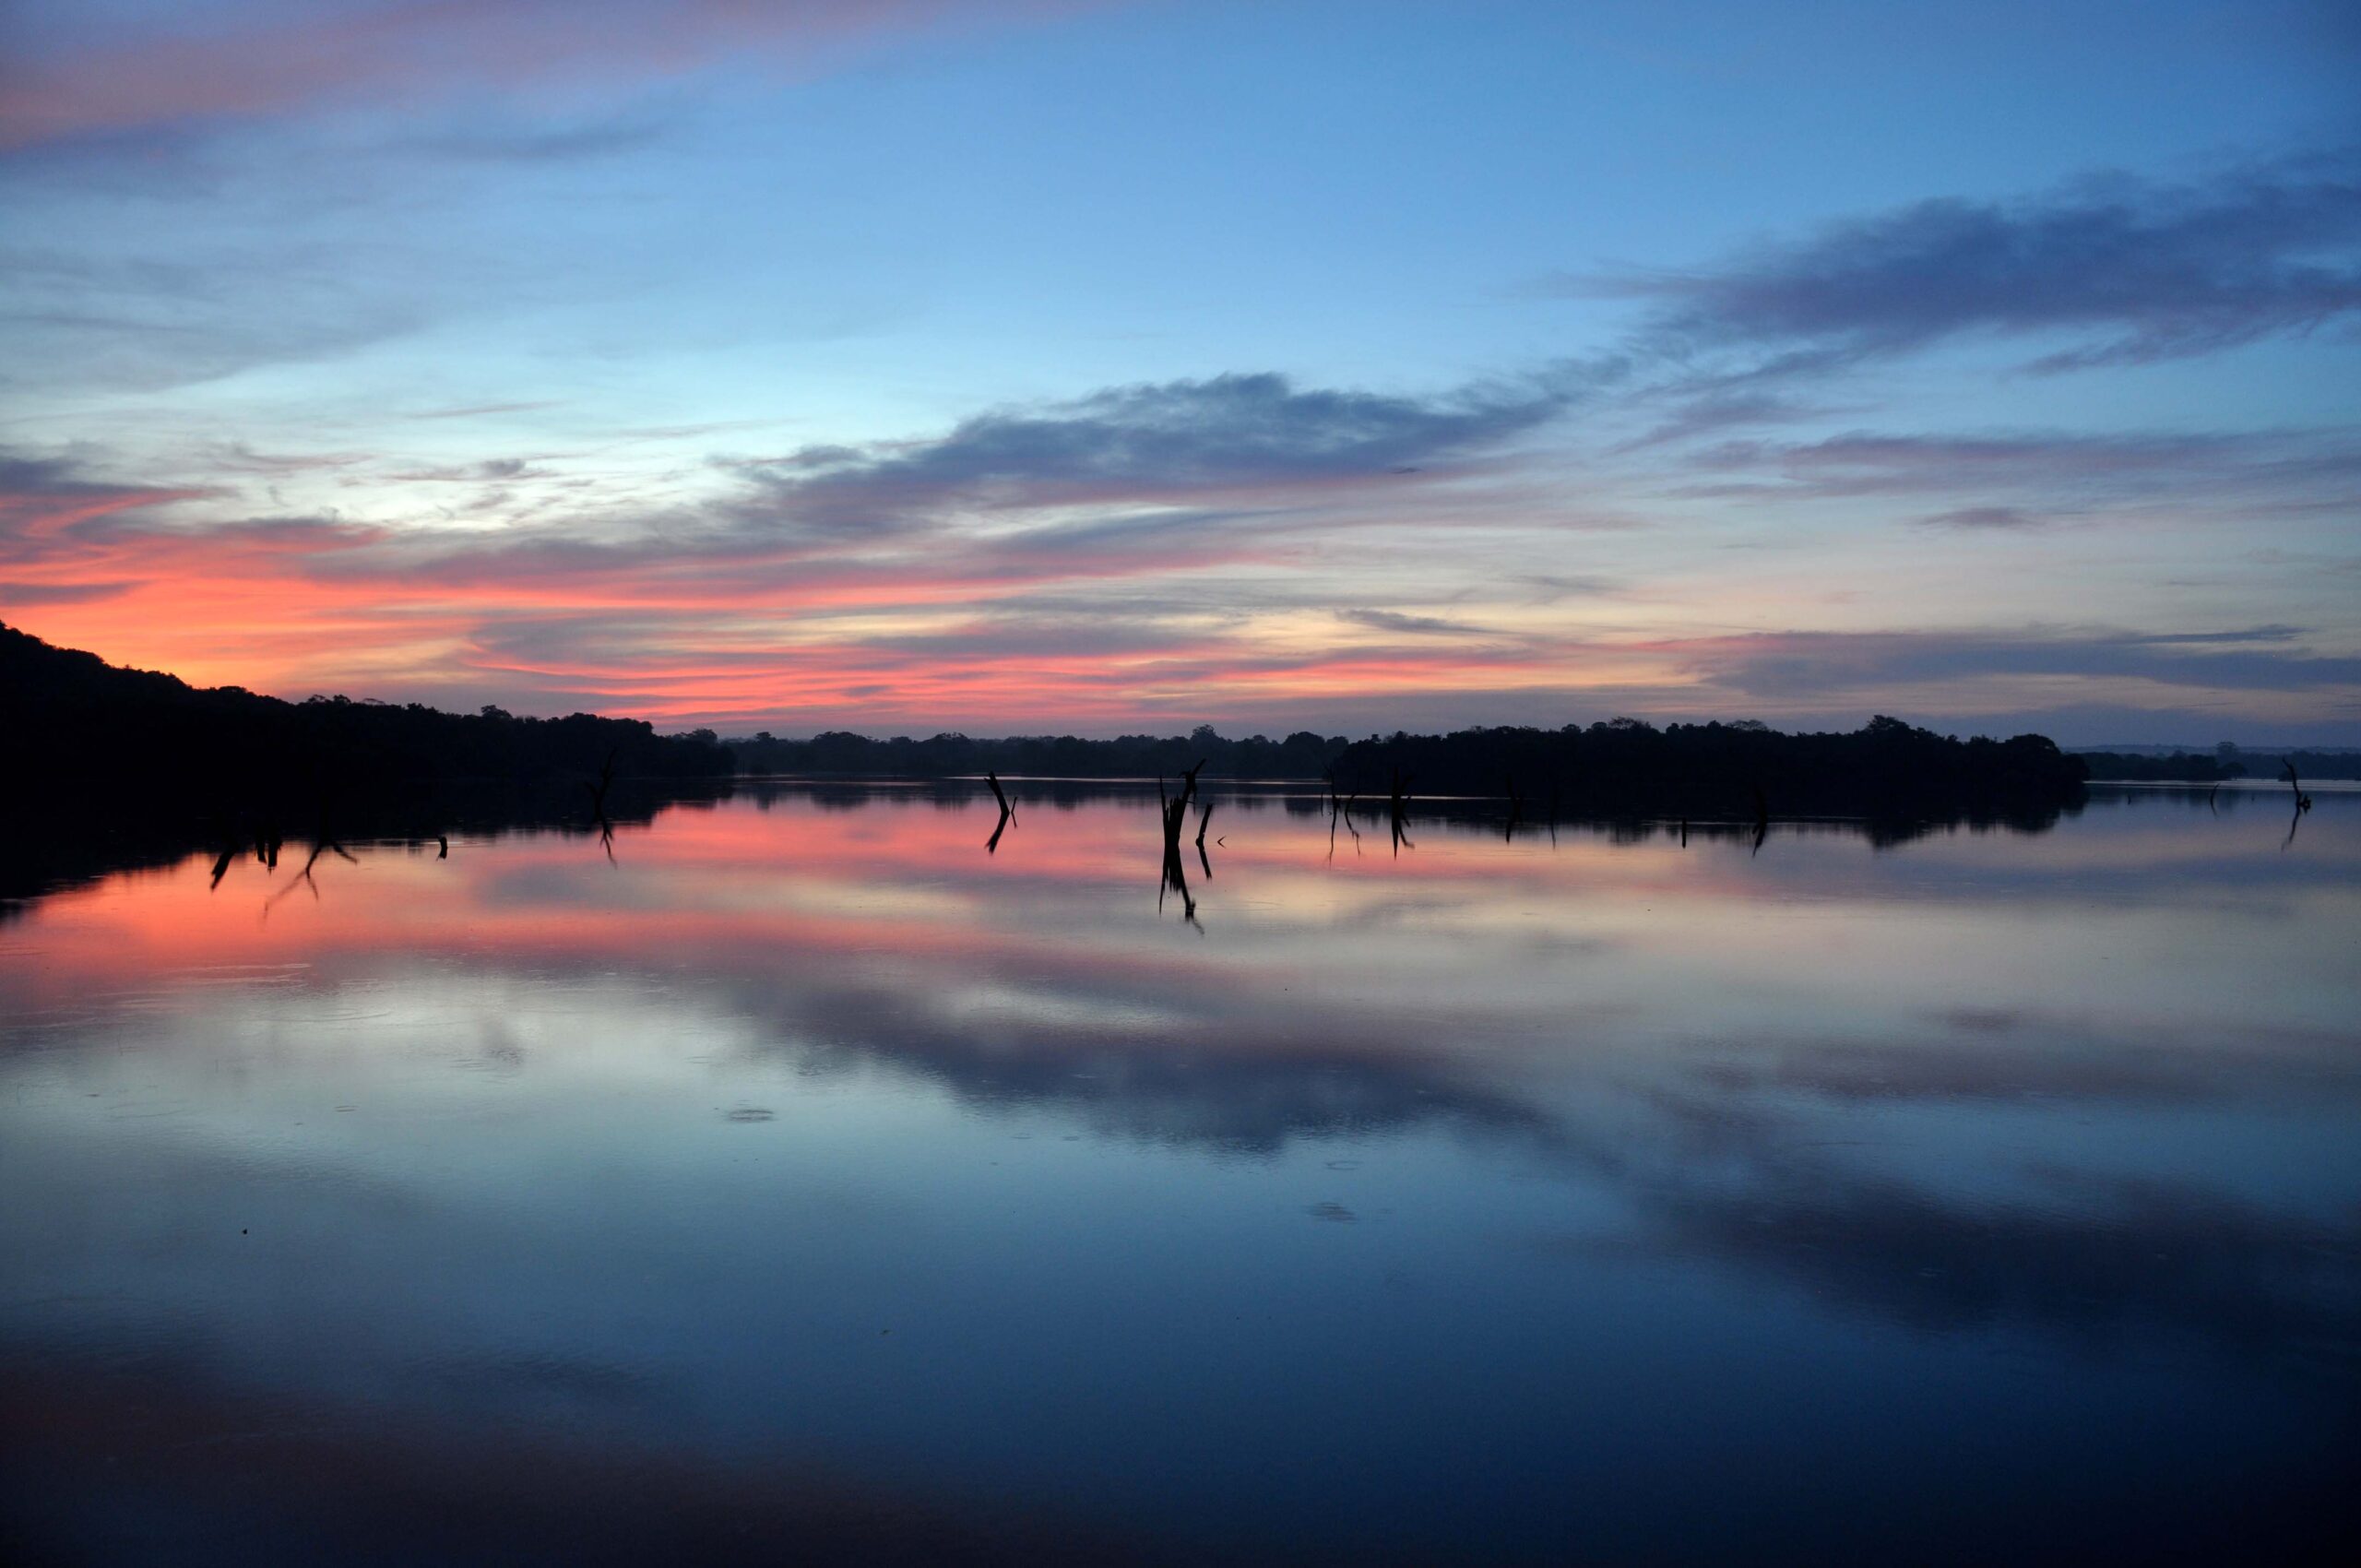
[(808, 1181)]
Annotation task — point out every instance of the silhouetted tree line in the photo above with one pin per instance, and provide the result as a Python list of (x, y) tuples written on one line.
[(2225, 761), (2182, 767), (95, 732), (1741, 770), (2311, 764), (1301, 755)]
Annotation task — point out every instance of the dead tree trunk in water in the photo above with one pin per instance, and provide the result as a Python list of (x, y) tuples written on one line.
[(598, 805)]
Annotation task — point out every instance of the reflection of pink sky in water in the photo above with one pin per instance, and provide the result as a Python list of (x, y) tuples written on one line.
[(1491, 929), (650, 1152)]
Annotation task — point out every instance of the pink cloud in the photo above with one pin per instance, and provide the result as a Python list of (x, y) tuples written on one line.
[(277, 59)]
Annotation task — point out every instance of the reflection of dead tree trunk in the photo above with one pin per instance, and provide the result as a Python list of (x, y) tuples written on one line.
[(1342, 811), (264, 838), (234, 846), (1762, 818), (321, 845), (1516, 808), (1340, 808), (1172, 812), (2303, 804), (1397, 802), (1205, 815), (598, 805), (1007, 813)]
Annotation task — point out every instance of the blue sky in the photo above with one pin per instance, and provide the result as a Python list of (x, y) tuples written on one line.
[(1106, 367)]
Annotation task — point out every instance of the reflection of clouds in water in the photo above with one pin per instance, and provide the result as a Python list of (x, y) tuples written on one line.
[(1681, 1040), (1711, 1160), (2030, 1058), (1736, 1172), (1210, 1076), (2108, 1260)]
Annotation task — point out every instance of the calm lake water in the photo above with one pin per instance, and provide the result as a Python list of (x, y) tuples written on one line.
[(807, 1179)]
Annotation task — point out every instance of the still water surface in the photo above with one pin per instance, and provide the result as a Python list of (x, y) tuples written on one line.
[(806, 1177)]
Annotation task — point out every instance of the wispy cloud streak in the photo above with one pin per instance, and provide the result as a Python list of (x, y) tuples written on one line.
[(2127, 271)]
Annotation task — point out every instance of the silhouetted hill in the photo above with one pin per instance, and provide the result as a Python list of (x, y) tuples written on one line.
[(90, 733), (1886, 768)]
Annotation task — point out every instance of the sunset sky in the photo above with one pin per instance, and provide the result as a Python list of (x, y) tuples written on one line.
[(917, 364)]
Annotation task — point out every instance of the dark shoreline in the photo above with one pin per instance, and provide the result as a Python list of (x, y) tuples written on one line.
[(128, 766)]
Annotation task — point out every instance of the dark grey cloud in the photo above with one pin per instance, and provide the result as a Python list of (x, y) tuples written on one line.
[(238, 456), (63, 593), (1984, 517), (1548, 588), (1790, 665), (486, 472), (1160, 477), (49, 504), (2132, 270), (1394, 620), (2048, 471), (1231, 434), (41, 476), (1031, 636), (2271, 634)]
